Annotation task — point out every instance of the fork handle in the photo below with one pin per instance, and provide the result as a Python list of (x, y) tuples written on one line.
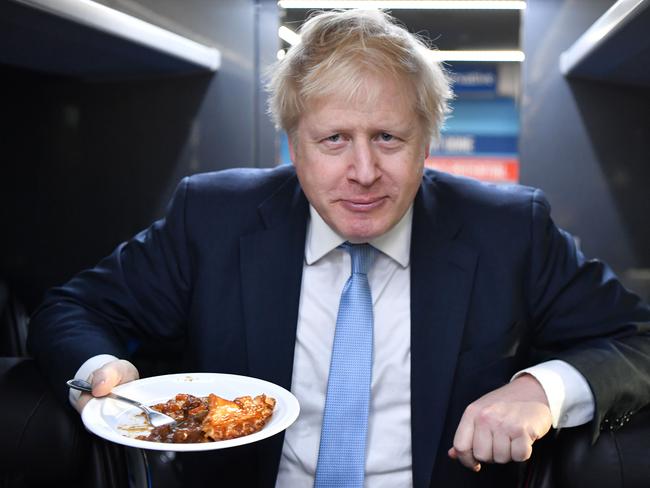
[(80, 385), (83, 385)]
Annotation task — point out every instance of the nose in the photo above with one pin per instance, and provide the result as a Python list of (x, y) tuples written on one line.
[(364, 168)]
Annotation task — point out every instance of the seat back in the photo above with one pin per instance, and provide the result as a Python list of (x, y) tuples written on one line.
[(41, 441), (44, 443), (13, 324)]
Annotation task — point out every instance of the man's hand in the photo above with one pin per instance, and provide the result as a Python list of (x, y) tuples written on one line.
[(502, 425), (104, 379)]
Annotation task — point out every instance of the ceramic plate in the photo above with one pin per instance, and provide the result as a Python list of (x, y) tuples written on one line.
[(120, 422)]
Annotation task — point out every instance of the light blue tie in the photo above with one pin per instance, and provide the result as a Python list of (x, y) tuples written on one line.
[(342, 453)]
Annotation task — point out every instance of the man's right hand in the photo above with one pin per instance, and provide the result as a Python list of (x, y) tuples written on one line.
[(104, 379)]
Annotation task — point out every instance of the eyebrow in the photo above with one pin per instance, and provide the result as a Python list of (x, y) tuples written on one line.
[(397, 127)]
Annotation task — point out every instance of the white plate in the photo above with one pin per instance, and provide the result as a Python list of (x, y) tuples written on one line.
[(120, 422)]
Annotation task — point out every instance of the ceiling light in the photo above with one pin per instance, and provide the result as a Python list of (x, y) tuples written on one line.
[(482, 56), (288, 35), (292, 38), (405, 4)]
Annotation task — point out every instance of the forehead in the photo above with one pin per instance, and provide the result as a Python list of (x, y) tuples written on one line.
[(372, 99), (364, 87)]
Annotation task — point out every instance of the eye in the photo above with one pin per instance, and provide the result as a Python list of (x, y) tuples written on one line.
[(387, 137), (334, 138)]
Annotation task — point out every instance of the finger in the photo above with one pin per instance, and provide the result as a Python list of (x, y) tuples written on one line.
[(468, 459), (521, 448), (463, 439), (84, 398), (464, 435), (473, 464), (128, 372), (111, 374), (501, 448), (482, 443)]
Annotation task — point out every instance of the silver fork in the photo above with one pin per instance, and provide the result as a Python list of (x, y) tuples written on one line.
[(155, 418)]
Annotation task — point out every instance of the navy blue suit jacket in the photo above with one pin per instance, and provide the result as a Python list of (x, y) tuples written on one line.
[(495, 287)]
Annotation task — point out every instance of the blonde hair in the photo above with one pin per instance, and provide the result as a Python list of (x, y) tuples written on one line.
[(336, 53)]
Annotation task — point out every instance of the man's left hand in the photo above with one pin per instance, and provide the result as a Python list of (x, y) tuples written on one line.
[(502, 425)]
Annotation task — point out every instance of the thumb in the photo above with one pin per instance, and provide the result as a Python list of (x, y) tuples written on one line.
[(112, 374), (100, 382)]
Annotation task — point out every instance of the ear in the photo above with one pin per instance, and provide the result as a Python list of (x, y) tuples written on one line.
[(426, 147), (292, 149)]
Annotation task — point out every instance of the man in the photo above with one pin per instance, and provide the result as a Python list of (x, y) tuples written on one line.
[(470, 284)]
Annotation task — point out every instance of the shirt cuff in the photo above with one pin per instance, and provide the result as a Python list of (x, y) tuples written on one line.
[(84, 372), (567, 391)]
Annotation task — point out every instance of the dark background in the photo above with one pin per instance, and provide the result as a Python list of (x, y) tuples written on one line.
[(92, 158)]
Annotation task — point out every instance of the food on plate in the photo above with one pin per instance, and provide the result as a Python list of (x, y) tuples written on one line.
[(211, 418), (243, 416)]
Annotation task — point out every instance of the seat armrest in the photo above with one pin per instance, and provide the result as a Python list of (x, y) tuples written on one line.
[(620, 458)]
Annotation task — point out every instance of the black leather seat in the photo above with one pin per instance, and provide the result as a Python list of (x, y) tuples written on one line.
[(13, 324), (620, 458), (44, 443)]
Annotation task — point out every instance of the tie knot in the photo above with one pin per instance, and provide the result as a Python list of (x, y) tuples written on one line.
[(362, 256)]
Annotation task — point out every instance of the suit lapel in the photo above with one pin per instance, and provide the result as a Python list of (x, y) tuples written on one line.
[(271, 263), (442, 273), (271, 268)]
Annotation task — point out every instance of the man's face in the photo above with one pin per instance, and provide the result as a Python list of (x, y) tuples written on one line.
[(360, 163)]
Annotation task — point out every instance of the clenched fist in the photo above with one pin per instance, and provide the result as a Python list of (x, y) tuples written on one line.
[(502, 425)]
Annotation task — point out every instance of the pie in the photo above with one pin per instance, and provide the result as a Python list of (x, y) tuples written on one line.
[(211, 418), (243, 416)]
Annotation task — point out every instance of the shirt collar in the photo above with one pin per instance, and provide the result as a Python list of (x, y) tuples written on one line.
[(321, 239)]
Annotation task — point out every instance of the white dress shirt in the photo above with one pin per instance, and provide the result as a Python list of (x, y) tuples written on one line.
[(326, 268), (325, 271)]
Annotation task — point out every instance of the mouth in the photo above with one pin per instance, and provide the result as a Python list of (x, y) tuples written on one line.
[(362, 204)]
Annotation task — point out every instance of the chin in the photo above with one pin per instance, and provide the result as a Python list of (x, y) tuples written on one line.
[(363, 232)]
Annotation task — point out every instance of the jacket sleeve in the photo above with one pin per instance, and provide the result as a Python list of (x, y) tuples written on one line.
[(583, 315), (140, 291)]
